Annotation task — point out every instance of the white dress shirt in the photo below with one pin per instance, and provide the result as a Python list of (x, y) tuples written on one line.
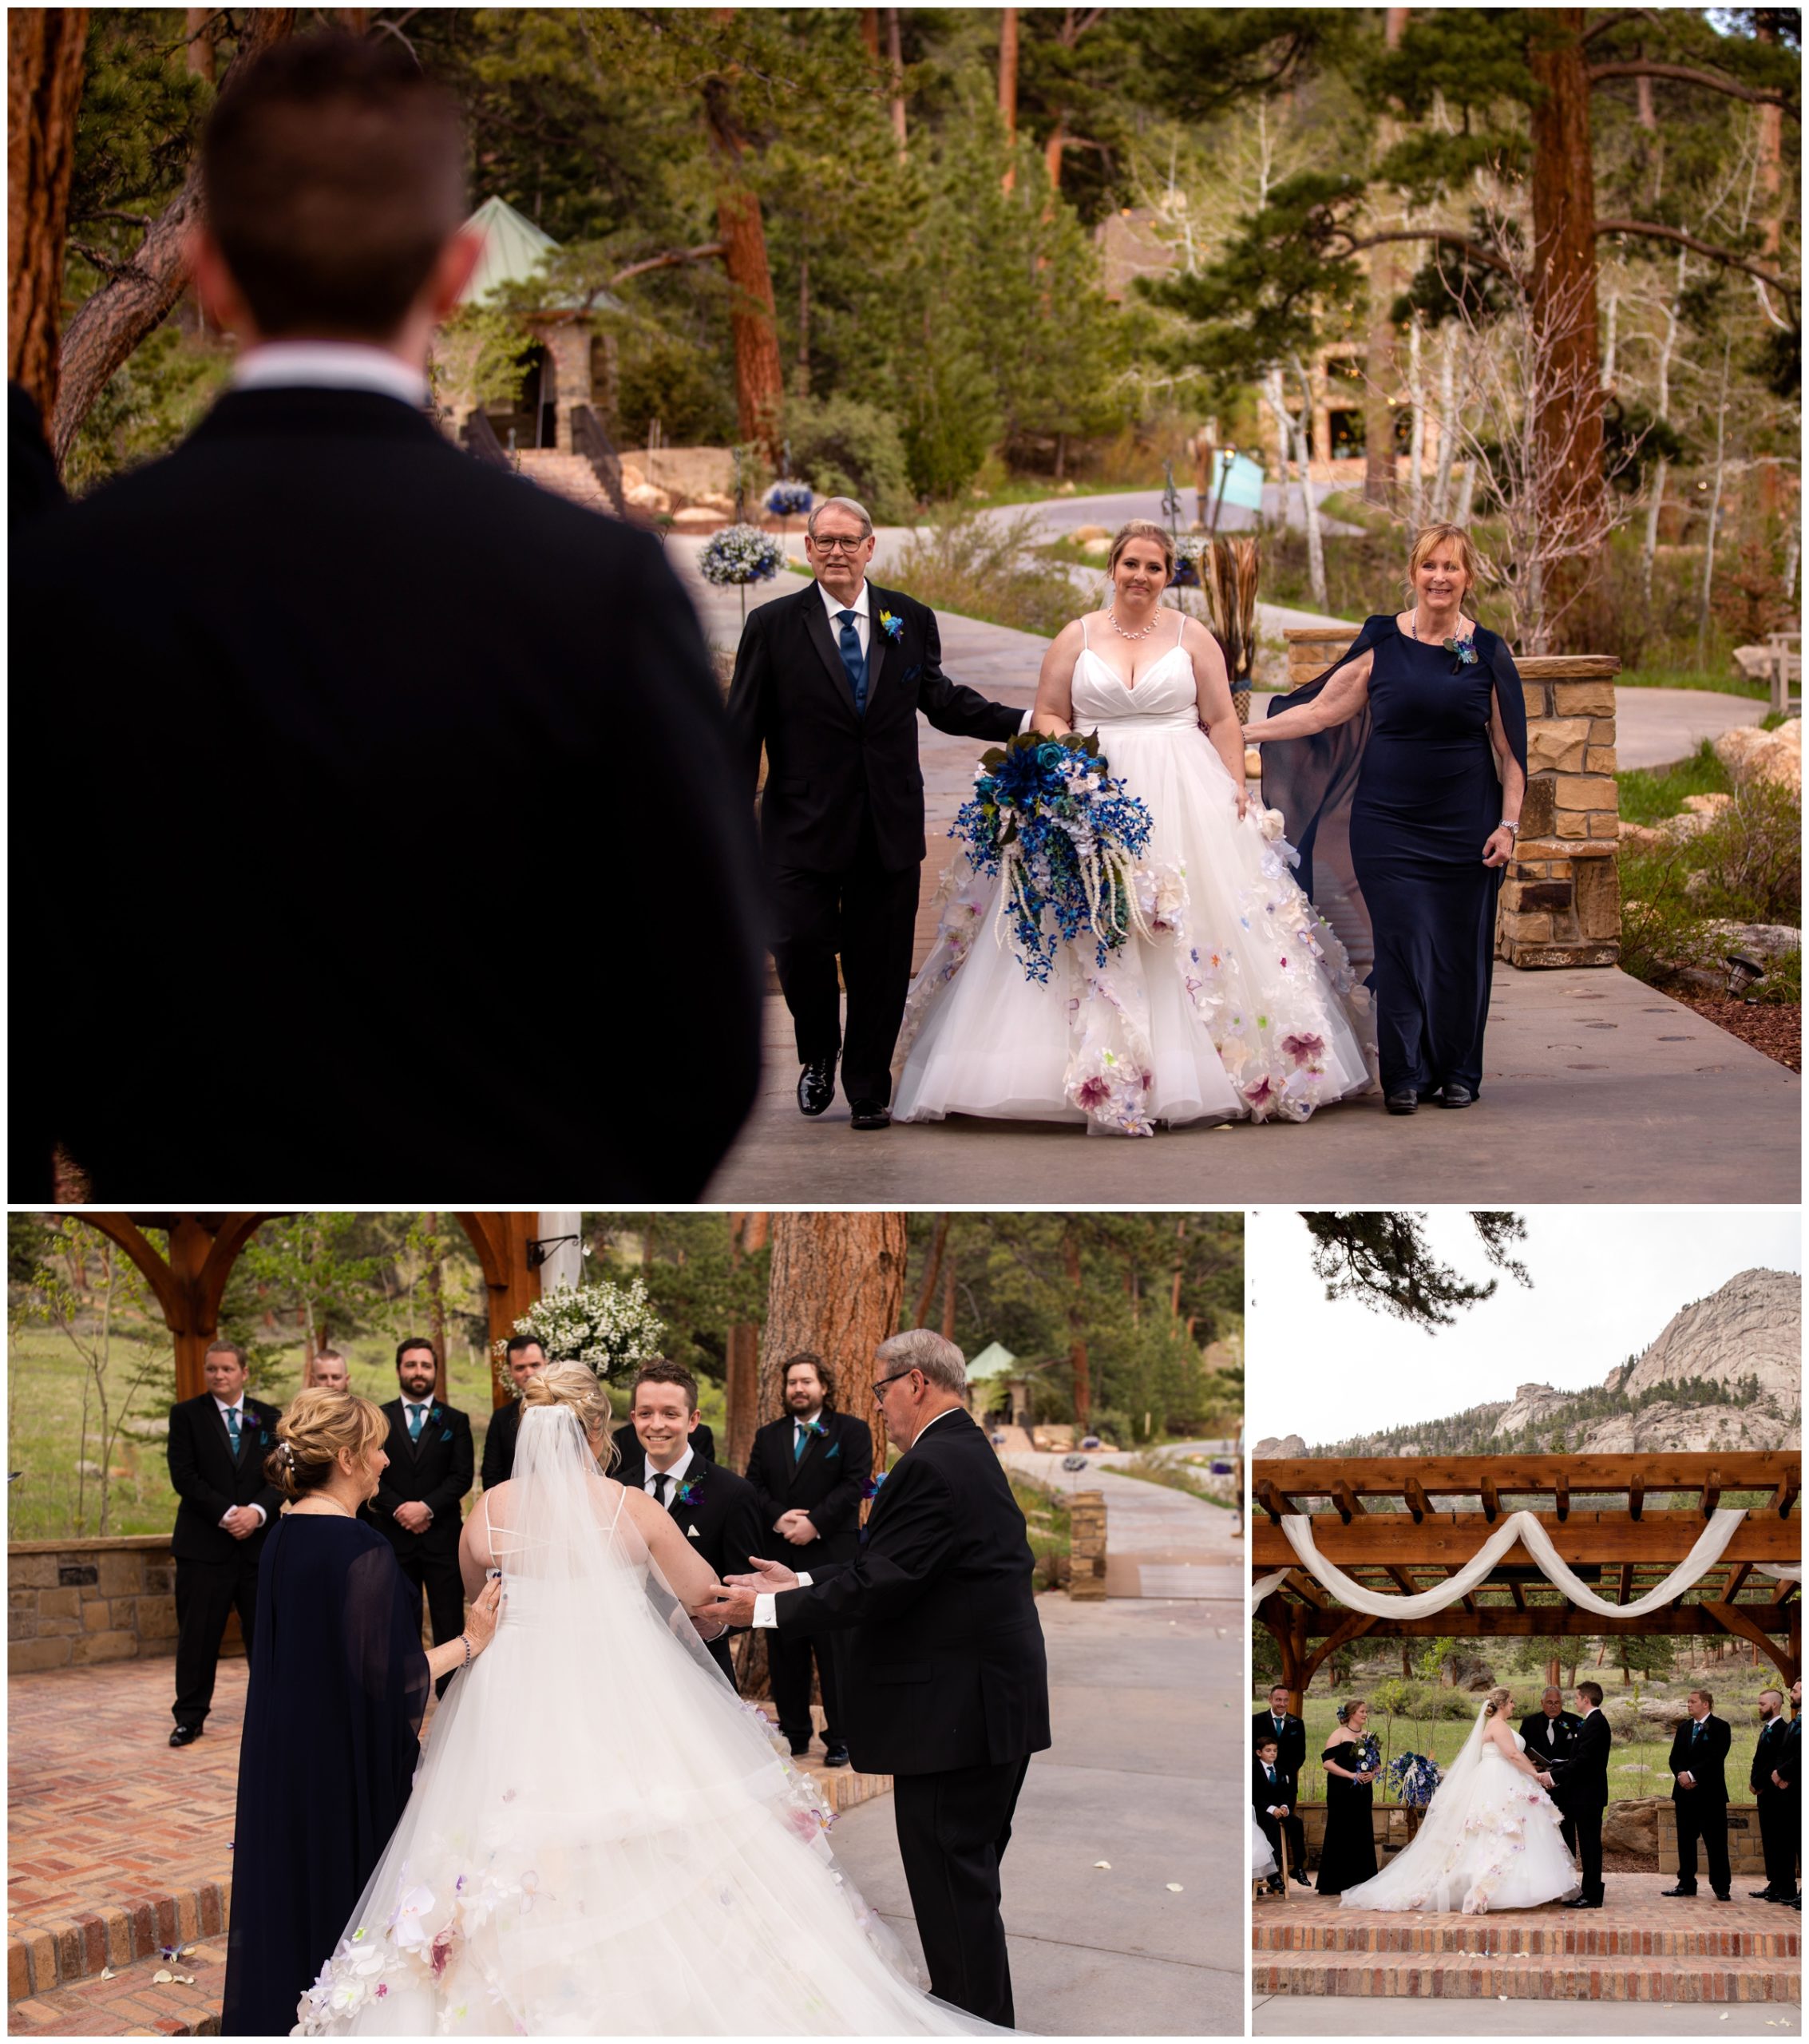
[(238, 1406), (675, 1474), (863, 620), (329, 366)]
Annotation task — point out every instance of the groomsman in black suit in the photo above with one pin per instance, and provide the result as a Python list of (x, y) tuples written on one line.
[(400, 615), (809, 1472), (1788, 1775), (1271, 1796), (631, 1457), (1776, 1830), (946, 1685), (1548, 1732), (830, 681), (217, 1446), (1579, 1785), (1289, 1732), (713, 1506), (1699, 1795), (523, 1355), (419, 1497)]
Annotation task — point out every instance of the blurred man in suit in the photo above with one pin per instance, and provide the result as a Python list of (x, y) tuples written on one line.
[(1779, 1836), (318, 603), (1699, 1795), (809, 1471), (522, 1355), (1548, 1731), (714, 1507), (326, 1372), (1289, 1732), (217, 1446), (946, 1684), (419, 1497)]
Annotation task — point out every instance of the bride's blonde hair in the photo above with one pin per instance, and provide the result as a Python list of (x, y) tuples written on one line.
[(1498, 1700), (580, 1391)]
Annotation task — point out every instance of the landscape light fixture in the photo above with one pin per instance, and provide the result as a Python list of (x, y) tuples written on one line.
[(1743, 972), (540, 1250)]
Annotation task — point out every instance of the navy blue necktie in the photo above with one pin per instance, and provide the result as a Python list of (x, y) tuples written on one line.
[(853, 660)]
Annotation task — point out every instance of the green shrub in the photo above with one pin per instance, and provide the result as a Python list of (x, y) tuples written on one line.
[(980, 567), (844, 448), (681, 387)]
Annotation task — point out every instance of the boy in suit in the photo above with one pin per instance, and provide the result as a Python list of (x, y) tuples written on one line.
[(1272, 1795), (217, 1446), (809, 1472), (1699, 1792), (417, 1507)]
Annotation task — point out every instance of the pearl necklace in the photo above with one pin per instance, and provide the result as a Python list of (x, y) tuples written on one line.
[(1112, 619), (1419, 636)]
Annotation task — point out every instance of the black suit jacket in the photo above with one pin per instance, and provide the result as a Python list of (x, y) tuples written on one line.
[(1548, 1738), (716, 1514), (328, 664), (1292, 1739), (209, 1480), (632, 1456), (1263, 1793), (499, 1443), (944, 1665), (1581, 1776), (828, 1481), (828, 769), (1705, 1758), (434, 1470), (1767, 1754), (1789, 1765)]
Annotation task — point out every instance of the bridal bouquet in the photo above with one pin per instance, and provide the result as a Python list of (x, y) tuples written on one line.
[(1414, 1776), (611, 1328), (1048, 818)]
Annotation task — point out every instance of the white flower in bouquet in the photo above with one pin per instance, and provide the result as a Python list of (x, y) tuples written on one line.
[(609, 1328), (738, 555)]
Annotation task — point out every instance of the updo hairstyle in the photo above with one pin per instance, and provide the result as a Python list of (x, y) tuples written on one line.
[(578, 1389), (311, 1434), (1498, 1702), (1347, 1711), (1142, 528), (1427, 540)]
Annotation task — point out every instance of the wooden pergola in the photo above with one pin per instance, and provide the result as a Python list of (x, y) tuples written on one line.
[(1621, 1523), (190, 1282)]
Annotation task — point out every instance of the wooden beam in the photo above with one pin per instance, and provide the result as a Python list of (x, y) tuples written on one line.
[(1404, 1579), (500, 1241), (1491, 1500), (1735, 1620), (1354, 1625), (1271, 1500), (1556, 1621), (1786, 1497), (1711, 1493), (1461, 1475), (1519, 1596), (1636, 1497), (1737, 1580), (1626, 1596), (1467, 1600), (1560, 1497), (1660, 1540), (1347, 1505), (1417, 1501)]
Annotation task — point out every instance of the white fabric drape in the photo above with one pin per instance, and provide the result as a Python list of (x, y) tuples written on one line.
[(1266, 1586), (1793, 1574), (1525, 1527)]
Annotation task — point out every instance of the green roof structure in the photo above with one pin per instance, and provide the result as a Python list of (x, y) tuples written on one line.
[(515, 252), (993, 1361)]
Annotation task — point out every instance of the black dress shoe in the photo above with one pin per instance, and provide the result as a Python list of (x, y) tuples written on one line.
[(1764, 1894), (1582, 1902), (799, 1747), (1721, 1894), (835, 1756), (1406, 1101), (869, 1114), (1455, 1096), (1686, 1892), (816, 1086), (185, 1735)]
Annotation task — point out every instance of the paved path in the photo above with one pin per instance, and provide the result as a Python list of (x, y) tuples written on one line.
[(1159, 1542), (1141, 1695)]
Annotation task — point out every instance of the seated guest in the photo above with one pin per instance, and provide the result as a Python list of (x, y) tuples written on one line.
[(1272, 1797), (326, 1371), (417, 1507), (338, 1689), (810, 1470), (522, 1355), (712, 1507), (217, 1445)]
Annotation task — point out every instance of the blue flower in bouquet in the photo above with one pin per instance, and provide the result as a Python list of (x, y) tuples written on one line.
[(1369, 1755), (789, 499), (1414, 1776), (1047, 816), (738, 555)]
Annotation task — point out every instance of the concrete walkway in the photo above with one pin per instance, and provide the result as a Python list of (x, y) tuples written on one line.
[(1159, 1542), (1143, 1695)]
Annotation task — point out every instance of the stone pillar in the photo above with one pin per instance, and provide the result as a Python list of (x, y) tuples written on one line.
[(1561, 901), (568, 343), (1086, 1530)]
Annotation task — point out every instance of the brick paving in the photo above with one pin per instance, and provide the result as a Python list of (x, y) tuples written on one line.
[(1640, 1946), (119, 1846)]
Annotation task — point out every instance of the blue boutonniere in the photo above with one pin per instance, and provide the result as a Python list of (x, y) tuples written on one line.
[(893, 627), (1463, 650), (872, 1489), (687, 1491)]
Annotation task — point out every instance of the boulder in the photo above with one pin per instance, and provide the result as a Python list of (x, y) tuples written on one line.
[(1708, 804), (1639, 836), (645, 496), (1669, 1711), (1280, 1447), (1751, 754), (1766, 940), (696, 518), (1086, 534), (1632, 1826), (1468, 1673)]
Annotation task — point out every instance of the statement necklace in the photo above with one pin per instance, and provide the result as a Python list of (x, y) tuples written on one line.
[(1112, 615)]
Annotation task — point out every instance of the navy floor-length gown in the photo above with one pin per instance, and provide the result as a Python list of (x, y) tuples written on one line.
[(1347, 1855), (1391, 812), (337, 1690)]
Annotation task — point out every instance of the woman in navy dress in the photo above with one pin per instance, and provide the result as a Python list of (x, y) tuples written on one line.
[(333, 1710), (1405, 804), (1347, 1854)]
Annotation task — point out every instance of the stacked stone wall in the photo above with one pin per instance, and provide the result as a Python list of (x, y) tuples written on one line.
[(71, 1603)]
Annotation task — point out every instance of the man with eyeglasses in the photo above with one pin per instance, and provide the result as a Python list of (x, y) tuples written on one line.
[(830, 681), (944, 1683)]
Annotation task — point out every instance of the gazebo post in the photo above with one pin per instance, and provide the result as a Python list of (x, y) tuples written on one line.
[(502, 1242), (190, 1283)]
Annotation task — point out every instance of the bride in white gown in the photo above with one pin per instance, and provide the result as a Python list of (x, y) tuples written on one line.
[(1240, 1005), (1490, 1838), (602, 1838)]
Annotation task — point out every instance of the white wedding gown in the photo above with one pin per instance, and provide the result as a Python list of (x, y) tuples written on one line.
[(602, 1838), (1489, 1840), (1242, 1006)]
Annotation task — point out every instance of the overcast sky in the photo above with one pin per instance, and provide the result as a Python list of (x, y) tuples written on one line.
[(1606, 1280)]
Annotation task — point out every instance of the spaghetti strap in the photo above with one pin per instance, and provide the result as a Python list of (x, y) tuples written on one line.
[(1083, 628), (1180, 628)]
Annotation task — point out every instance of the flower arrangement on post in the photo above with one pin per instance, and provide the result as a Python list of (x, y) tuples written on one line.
[(789, 500), (738, 555), (609, 1328)]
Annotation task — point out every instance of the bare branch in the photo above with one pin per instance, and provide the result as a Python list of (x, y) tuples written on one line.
[(1474, 250), (98, 259), (1731, 257), (1688, 74), (1614, 21), (704, 252)]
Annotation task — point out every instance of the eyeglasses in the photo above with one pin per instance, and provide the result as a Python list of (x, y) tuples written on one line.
[(879, 1388), (828, 542)]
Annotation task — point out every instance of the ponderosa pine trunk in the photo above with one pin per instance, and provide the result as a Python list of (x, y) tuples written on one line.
[(741, 1378), (1380, 367), (752, 311), (1008, 90), (45, 51), (1077, 1363)]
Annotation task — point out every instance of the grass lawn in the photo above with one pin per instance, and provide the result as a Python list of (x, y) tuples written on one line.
[(1175, 1475), (1650, 794)]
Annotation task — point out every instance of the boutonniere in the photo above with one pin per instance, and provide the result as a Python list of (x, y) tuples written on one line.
[(893, 627), (816, 1427), (872, 1489), (685, 1491), (1463, 650)]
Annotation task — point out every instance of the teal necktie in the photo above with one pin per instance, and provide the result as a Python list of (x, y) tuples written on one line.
[(853, 660), (416, 1415), (232, 1427), (798, 1445)]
